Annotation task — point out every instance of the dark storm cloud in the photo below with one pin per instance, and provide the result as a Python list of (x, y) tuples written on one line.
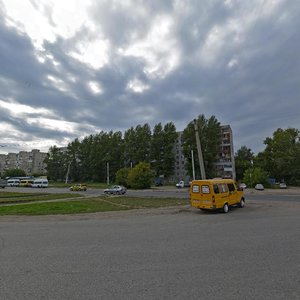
[(235, 61)]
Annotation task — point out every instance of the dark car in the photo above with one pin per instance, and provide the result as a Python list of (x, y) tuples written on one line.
[(116, 190)]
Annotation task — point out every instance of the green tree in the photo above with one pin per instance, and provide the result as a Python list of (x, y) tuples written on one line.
[(210, 138), (255, 175), (141, 176), (137, 143), (243, 158), (122, 176), (57, 164), (162, 154), (14, 173), (281, 155), (170, 136)]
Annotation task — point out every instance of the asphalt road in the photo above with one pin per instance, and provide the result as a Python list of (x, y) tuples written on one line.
[(291, 194), (170, 253)]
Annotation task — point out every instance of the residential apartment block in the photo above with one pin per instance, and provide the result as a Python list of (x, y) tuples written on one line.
[(225, 166), (31, 162)]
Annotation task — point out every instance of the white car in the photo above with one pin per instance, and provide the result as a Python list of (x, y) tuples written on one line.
[(243, 186), (259, 187), (116, 190), (282, 185)]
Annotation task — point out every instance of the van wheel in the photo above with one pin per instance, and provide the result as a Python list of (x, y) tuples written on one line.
[(225, 208), (242, 203)]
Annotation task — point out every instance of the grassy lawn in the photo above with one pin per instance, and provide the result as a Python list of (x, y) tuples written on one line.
[(99, 204), (11, 197)]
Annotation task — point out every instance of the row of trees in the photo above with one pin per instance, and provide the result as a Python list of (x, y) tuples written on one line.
[(279, 160), (87, 160)]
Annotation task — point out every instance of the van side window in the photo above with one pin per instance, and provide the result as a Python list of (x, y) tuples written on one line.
[(216, 189), (220, 188), (223, 188), (195, 188), (231, 187), (205, 189)]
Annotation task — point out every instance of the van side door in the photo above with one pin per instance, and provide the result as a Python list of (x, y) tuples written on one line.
[(233, 194)]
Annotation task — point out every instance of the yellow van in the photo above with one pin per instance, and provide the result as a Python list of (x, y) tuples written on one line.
[(216, 194), (26, 183)]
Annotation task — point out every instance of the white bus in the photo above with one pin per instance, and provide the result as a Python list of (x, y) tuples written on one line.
[(40, 183)]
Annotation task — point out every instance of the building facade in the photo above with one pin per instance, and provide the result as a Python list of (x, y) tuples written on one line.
[(31, 162), (225, 165), (179, 172)]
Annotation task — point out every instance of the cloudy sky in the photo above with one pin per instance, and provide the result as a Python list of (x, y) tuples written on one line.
[(70, 68)]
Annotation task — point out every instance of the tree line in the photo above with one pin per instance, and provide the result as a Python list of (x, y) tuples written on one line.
[(88, 160), (280, 160)]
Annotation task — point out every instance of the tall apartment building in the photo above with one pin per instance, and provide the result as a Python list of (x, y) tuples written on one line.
[(31, 162), (180, 172), (225, 166)]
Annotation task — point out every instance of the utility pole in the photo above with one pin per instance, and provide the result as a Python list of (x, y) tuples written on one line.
[(107, 170), (68, 171), (193, 164), (200, 157)]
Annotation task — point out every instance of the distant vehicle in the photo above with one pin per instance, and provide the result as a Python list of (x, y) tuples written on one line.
[(259, 187), (282, 185), (158, 182), (78, 187), (182, 184), (116, 190), (26, 183), (40, 183), (13, 182), (243, 186), (3, 183)]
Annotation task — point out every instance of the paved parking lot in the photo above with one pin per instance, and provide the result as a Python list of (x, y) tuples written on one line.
[(167, 253)]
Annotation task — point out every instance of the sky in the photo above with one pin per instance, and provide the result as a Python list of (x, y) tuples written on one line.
[(71, 68)]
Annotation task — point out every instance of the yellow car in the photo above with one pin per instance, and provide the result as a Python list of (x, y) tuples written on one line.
[(78, 187)]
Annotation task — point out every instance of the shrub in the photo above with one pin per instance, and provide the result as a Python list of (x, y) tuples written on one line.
[(122, 176), (140, 177)]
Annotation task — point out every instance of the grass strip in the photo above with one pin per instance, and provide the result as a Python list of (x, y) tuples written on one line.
[(35, 197), (99, 204), (17, 194)]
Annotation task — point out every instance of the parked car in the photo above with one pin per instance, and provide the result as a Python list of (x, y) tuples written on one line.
[(282, 185), (259, 187), (158, 182), (3, 183), (182, 184), (78, 187), (243, 186), (116, 190)]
